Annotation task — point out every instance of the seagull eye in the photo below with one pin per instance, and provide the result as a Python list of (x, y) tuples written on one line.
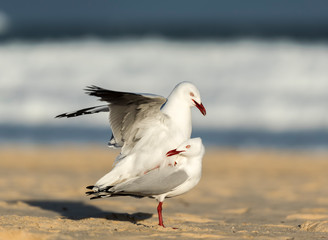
[(192, 94), (188, 146)]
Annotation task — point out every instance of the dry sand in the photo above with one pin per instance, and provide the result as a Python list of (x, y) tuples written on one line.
[(242, 195)]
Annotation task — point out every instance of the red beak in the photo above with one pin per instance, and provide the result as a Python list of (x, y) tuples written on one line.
[(173, 152), (200, 107)]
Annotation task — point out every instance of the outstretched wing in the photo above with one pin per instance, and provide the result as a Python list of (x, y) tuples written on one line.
[(126, 110)]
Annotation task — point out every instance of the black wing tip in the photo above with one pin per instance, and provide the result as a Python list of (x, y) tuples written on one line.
[(80, 112), (96, 197), (92, 89), (90, 192), (69, 115), (61, 115)]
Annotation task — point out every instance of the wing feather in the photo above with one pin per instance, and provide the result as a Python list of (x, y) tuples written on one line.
[(153, 183), (127, 110)]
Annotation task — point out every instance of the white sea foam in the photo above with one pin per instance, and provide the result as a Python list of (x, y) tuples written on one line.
[(272, 85)]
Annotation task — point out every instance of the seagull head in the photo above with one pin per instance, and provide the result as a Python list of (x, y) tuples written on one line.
[(190, 93), (191, 147)]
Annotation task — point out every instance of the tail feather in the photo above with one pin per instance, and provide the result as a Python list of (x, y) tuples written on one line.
[(84, 111)]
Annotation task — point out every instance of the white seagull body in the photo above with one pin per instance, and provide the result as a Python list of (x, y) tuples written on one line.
[(179, 172), (144, 126)]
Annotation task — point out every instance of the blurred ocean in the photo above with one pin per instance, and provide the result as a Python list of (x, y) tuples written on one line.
[(258, 93), (261, 67)]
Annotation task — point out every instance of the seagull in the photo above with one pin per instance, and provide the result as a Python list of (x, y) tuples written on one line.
[(144, 126), (179, 172)]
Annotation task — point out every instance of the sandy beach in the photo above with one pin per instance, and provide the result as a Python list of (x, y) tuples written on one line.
[(243, 194)]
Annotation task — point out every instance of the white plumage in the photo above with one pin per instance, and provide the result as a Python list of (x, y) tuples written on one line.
[(178, 172), (144, 126)]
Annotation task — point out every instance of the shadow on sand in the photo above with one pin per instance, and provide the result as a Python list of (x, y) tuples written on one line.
[(78, 210)]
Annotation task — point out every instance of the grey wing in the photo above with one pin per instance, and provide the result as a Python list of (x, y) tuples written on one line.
[(126, 109), (152, 183)]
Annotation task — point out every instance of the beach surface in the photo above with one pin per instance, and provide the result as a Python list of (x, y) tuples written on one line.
[(243, 194)]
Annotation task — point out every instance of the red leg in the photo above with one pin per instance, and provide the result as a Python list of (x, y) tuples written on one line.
[(159, 211)]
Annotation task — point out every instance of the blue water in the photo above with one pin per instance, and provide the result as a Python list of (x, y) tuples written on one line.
[(248, 139), (35, 19)]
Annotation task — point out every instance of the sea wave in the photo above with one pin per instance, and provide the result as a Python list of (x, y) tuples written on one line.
[(276, 85)]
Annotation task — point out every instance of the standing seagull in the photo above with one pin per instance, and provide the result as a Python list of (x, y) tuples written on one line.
[(175, 176), (144, 122)]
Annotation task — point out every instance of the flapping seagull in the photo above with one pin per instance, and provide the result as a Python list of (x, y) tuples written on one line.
[(177, 174), (145, 122)]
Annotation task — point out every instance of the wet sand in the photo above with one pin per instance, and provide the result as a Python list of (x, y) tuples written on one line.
[(242, 195)]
